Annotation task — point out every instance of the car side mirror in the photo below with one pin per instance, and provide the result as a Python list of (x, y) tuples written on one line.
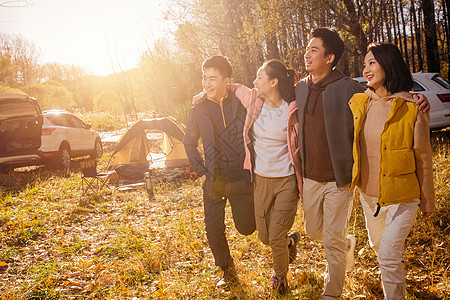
[(88, 126)]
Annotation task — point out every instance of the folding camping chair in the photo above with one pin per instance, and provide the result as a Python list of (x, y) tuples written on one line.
[(91, 180)]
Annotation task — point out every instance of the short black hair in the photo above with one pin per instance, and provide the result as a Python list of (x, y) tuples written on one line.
[(220, 63), (331, 41), (398, 77)]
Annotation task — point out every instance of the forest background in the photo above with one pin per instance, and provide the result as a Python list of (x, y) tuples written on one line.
[(248, 32)]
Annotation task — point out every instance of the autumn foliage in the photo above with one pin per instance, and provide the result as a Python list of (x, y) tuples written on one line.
[(56, 243)]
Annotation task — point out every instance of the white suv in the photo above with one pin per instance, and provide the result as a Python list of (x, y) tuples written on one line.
[(437, 90), (65, 136)]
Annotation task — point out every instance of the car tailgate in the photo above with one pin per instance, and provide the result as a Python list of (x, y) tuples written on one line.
[(20, 126)]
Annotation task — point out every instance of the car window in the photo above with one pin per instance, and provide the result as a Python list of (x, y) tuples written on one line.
[(75, 122), (364, 83), (58, 120), (16, 108), (441, 81), (417, 87), (16, 124)]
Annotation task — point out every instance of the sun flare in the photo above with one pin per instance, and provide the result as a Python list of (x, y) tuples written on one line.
[(100, 36)]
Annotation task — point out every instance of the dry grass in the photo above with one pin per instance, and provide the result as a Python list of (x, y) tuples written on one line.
[(55, 243)]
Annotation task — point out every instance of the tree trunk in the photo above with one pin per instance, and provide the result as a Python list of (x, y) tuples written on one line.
[(388, 26), (400, 43), (413, 59), (345, 64), (447, 26), (355, 27), (405, 37), (235, 15), (394, 26), (430, 36), (272, 47), (419, 41)]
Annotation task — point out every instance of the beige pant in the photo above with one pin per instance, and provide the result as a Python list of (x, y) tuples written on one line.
[(387, 235), (276, 202), (326, 213)]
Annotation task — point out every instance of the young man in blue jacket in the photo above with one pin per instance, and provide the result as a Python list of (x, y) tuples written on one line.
[(218, 119)]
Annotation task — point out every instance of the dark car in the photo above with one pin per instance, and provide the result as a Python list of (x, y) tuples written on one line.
[(20, 130)]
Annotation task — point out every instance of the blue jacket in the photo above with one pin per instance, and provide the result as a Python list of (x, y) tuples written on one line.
[(199, 125)]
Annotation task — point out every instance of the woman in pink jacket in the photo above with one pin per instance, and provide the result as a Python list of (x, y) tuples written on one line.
[(276, 185)]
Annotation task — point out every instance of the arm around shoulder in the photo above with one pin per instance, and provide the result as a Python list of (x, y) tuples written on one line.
[(243, 93), (422, 102)]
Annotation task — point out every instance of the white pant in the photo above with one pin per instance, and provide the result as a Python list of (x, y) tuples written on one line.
[(387, 235), (326, 213)]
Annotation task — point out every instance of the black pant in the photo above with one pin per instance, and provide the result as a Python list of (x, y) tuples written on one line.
[(240, 195)]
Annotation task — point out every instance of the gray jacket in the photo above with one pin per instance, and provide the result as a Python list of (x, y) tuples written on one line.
[(338, 124)]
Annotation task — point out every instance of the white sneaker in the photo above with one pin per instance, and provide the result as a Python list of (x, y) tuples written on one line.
[(351, 243)]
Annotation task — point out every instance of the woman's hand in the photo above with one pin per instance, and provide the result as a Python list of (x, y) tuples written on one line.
[(232, 87), (196, 99)]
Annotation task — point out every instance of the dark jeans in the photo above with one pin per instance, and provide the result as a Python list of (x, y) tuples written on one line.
[(240, 195)]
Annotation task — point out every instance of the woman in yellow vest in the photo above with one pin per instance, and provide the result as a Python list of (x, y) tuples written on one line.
[(392, 160)]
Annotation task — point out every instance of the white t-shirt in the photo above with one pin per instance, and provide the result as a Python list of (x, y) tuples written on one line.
[(271, 149)]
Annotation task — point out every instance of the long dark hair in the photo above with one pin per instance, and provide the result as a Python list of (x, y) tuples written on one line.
[(398, 77), (286, 78)]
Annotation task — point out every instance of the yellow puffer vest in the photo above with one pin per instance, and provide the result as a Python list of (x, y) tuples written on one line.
[(397, 180)]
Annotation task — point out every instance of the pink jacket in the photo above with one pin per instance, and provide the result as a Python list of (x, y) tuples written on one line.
[(253, 104)]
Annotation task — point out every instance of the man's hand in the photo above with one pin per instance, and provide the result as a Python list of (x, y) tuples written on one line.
[(203, 178), (422, 102)]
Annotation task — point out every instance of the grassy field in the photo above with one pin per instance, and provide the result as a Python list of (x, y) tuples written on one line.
[(56, 243)]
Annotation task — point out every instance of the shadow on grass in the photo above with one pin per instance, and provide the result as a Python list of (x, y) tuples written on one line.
[(19, 179), (440, 137), (422, 294)]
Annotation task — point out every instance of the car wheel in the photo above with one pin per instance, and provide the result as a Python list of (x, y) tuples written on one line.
[(98, 150), (63, 160)]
